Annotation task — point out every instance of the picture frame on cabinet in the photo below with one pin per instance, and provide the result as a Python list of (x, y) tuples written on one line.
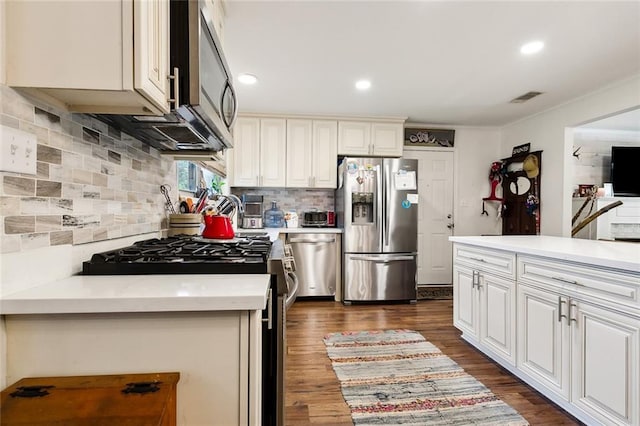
[(429, 137)]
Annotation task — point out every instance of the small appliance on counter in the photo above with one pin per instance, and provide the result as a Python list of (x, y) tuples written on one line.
[(318, 219), (252, 218)]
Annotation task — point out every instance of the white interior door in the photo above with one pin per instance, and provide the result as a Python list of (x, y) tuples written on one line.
[(435, 215)]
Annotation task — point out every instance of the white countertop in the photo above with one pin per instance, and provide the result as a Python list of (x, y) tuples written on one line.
[(141, 293), (609, 254)]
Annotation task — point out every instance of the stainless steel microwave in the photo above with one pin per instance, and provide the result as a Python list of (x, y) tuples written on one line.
[(205, 104)]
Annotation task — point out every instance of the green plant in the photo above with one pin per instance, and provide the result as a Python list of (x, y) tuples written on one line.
[(216, 184)]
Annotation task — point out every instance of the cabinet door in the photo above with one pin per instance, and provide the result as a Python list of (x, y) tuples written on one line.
[(466, 316), (151, 44), (543, 338), (325, 154), (246, 152), (299, 153), (387, 139), (354, 138), (273, 156), (606, 364), (498, 316)]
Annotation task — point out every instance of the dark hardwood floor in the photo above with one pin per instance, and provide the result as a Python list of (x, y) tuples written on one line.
[(313, 392)]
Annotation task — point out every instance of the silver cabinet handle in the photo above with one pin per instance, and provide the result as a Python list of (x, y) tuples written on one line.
[(571, 317), (560, 314), (176, 87), (473, 279), (564, 280), (269, 318), (479, 259)]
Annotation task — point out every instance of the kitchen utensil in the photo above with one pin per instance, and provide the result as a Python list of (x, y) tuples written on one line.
[(184, 207), (217, 227), (202, 201), (168, 204)]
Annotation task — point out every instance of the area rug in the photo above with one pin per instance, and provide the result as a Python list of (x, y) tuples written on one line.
[(394, 377)]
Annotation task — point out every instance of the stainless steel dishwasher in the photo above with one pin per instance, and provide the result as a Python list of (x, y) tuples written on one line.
[(315, 256)]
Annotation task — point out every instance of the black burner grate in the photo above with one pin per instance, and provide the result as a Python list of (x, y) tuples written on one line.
[(184, 255)]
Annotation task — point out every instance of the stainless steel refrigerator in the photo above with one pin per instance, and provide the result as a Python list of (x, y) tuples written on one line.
[(377, 208)]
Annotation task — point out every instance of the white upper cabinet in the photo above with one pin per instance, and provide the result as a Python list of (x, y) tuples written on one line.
[(382, 139), (259, 152), (312, 153), (273, 147), (93, 57)]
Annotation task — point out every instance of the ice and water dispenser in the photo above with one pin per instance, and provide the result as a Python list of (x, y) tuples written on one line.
[(362, 208)]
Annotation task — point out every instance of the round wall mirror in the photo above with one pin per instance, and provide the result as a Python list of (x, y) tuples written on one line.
[(520, 186)]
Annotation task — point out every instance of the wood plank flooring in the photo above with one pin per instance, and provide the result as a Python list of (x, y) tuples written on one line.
[(313, 392)]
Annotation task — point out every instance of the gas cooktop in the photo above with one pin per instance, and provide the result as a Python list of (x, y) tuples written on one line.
[(183, 254)]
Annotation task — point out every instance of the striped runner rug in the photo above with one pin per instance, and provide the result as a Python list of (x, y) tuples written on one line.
[(393, 377)]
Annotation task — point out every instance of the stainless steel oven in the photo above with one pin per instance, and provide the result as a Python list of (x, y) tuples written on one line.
[(282, 269)]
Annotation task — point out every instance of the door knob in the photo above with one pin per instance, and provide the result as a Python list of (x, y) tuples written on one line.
[(450, 226), (449, 216)]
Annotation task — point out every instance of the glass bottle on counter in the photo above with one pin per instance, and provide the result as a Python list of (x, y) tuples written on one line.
[(274, 217)]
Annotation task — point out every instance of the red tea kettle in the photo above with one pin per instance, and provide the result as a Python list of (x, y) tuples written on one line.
[(217, 226)]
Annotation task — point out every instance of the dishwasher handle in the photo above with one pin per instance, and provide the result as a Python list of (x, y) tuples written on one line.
[(383, 260), (312, 240)]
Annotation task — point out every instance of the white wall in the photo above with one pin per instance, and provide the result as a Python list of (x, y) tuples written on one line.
[(552, 132), (475, 149)]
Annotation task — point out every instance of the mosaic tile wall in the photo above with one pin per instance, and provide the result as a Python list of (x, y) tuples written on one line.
[(293, 199), (92, 184)]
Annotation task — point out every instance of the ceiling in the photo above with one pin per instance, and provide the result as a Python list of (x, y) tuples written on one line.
[(435, 62)]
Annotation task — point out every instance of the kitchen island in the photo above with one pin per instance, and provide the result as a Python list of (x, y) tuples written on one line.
[(562, 314), (207, 327)]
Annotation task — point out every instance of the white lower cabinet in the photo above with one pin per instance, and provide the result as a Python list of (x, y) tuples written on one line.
[(543, 347), (605, 362), (585, 354), (484, 309), (570, 330)]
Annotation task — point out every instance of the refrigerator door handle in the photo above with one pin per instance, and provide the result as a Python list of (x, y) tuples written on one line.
[(381, 207), (385, 193), (378, 260)]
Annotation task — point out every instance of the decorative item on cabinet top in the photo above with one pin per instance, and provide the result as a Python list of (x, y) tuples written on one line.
[(428, 137)]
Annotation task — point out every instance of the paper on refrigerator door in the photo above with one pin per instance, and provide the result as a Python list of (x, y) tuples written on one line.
[(405, 180), (412, 198)]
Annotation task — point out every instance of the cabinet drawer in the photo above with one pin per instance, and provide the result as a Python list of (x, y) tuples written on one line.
[(588, 280), (497, 261)]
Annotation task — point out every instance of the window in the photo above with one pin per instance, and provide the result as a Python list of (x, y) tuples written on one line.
[(191, 177), (187, 176)]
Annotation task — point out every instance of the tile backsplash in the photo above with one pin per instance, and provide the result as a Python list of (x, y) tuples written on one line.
[(292, 198), (93, 183)]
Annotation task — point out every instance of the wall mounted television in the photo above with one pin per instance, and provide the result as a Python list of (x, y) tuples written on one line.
[(625, 171)]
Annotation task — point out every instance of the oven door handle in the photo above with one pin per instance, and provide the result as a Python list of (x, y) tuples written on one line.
[(269, 318), (291, 292)]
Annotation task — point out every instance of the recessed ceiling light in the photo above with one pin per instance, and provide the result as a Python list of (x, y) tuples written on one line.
[(363, 84), (531, 48), (247, 79)]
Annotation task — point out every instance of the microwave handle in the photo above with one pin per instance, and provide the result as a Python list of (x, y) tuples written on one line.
[(228, 86)]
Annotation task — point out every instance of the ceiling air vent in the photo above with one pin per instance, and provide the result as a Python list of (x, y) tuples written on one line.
[(525, 97)]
